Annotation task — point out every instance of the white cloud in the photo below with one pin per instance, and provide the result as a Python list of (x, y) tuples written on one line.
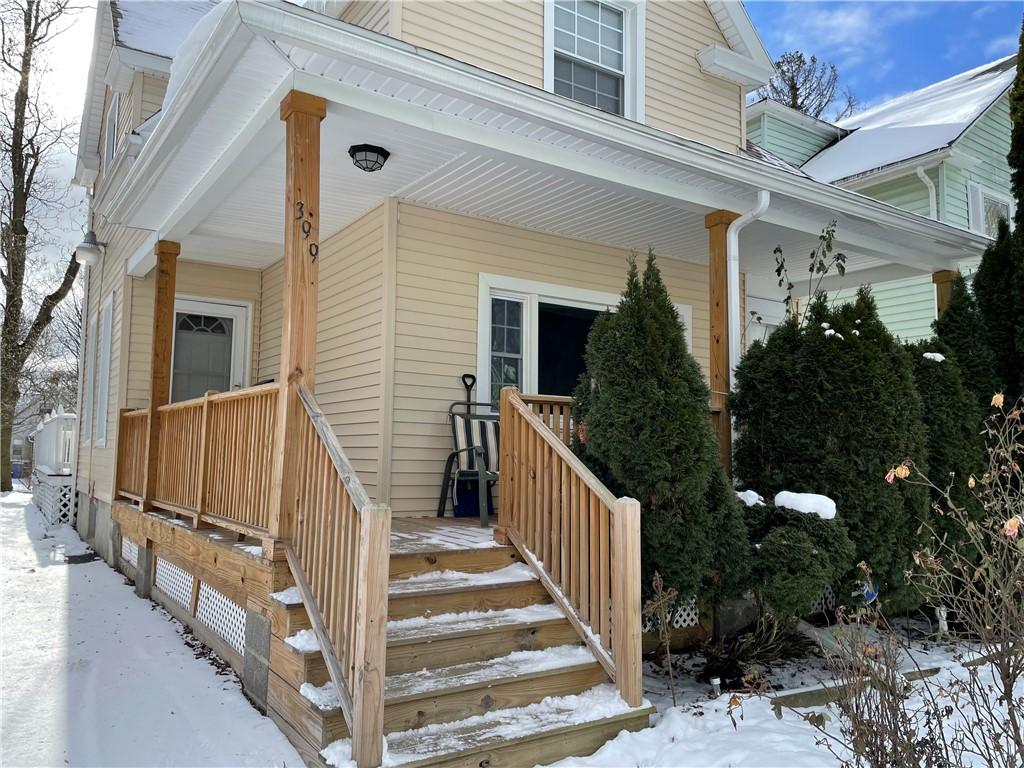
[(1001, 46), (846, 35)]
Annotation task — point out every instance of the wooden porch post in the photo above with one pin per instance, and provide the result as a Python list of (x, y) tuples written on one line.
[(717, 223), (301, 113), (943, 281), (160, 361)]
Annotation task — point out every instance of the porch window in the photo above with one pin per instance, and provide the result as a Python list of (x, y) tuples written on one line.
[(987, 207), (110, 130), (506, 345), (593, 53)]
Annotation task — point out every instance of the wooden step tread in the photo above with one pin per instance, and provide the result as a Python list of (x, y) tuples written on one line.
[(556, 719), (419, 629), (460, 581), (409, 686)]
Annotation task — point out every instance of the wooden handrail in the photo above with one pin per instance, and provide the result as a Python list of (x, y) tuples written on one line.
[(555, 411), (339, 558), (582, 542), (132, 439)]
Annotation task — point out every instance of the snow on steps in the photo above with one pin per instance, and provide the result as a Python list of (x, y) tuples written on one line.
[(460, 580), (417, 628), (422, 683), (447, 591), (557, 726)]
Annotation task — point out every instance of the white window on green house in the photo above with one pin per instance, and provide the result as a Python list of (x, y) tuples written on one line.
[(506, 345), (593, 54), (103, 377), (987, 207)]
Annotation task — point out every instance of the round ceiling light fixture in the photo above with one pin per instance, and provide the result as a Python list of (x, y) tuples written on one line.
[(367, 157)]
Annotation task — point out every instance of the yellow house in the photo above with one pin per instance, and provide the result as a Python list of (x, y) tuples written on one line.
[(312, 222)]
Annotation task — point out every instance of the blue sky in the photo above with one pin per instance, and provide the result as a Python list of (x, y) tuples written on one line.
[(883, 49)]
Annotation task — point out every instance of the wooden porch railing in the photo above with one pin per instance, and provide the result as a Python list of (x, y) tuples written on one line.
[(555, 411), (132, 434), (215, 457), (583, 543), (338, 554)]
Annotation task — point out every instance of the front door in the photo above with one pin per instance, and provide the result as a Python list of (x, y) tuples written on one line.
[(208, 348)]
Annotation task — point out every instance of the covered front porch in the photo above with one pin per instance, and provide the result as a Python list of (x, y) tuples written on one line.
[(377, 292)]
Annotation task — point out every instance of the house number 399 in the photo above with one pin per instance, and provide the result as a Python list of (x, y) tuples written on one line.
[(306, 217)]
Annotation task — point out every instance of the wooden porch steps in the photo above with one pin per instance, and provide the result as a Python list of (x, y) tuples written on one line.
[(480, 664)]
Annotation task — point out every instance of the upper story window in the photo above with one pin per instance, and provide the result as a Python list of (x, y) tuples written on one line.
[(110, 130), (594, 54), (986, 207)]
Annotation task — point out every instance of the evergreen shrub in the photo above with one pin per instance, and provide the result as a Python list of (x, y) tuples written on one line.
[(962, 329)]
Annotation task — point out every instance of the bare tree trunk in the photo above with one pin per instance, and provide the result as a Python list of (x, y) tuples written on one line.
[(29, 136)]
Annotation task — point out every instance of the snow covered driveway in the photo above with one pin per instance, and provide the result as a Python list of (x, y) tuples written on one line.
[(92, 675)]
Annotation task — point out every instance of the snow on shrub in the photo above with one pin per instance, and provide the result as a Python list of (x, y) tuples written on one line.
[(808, 503), (818, 415)]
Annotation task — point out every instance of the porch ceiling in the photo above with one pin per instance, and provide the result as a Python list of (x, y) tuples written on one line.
[(467, 141)]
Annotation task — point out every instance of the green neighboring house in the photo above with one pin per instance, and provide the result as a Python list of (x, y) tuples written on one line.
[(939, 152)]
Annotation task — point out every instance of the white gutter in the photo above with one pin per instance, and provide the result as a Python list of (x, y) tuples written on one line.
[(732, 256), (933, 204)]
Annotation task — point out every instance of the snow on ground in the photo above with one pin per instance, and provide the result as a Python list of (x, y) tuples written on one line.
[(92, 675)]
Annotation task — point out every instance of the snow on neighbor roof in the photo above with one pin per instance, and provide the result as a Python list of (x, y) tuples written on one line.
[(156, 26), (913, 124), (757, 152)]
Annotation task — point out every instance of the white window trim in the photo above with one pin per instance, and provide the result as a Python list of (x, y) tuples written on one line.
[(534, 293), (110, 130), (102, 407), (976, 194), (90, 380), (241, 340), (634, 24)]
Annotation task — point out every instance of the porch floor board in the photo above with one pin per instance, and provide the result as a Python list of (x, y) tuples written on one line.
[(419, 535)]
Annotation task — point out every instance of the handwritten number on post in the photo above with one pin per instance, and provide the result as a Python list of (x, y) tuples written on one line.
[(301, 214)]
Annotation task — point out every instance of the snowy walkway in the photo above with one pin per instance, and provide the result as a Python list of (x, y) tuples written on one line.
[(92, 675)]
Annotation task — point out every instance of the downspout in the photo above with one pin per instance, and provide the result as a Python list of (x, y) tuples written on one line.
[(82, 348), (732, 255), (933, 204)]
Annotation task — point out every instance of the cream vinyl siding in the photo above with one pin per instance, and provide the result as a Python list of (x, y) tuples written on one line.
[(268, 332), (370, 14), (151, 96), (439, 258), (96, 464), (679, 97), (195, 280), (500, 36), (350, 340)]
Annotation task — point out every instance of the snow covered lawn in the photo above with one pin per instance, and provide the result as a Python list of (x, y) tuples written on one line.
[(92, 675)]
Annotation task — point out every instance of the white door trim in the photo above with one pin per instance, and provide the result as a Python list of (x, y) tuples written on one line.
[(240, 313), (533, 293)]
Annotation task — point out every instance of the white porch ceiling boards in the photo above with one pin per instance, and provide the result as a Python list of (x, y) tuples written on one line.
[(467, 140)]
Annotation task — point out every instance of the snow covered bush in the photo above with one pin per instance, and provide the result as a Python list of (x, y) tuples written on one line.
[(821, 407), (795, 556), (642, 404)]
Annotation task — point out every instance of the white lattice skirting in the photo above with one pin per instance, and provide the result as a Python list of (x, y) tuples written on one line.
[(53, 495), (685, 615), (176, 583), (826, 602), (130, 552), (223, 616)]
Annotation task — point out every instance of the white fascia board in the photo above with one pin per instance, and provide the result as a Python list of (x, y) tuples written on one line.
[(742, 36), (226, 44), (288, 24), (144, 258), (125, 62), (794, 116), (723, 62), (87, 165)]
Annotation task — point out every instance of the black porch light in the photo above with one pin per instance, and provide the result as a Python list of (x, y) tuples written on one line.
[(367, 157)]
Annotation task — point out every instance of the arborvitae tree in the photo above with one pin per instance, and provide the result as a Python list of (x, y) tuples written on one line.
[(824, 408), (962, 330), (999, 290), (642, 403), (794, 557), (954, 449)]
